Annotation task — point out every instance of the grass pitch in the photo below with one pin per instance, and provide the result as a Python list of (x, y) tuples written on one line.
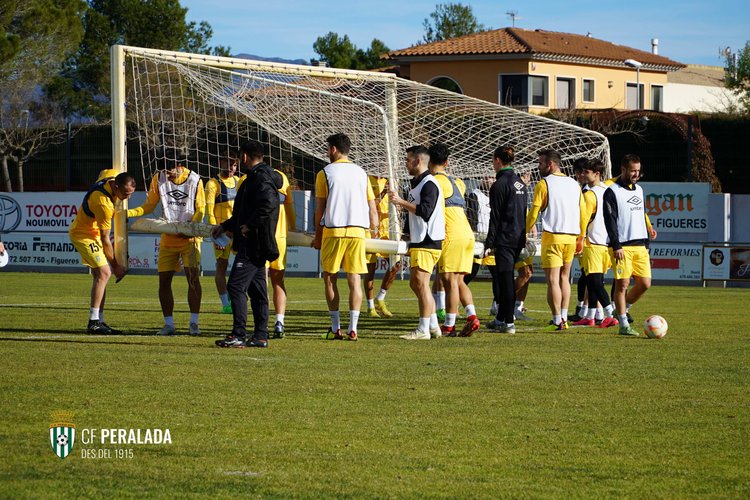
[(581, 414)]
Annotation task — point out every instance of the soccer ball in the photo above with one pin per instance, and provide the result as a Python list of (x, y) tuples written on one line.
[(655, 327), (62, 440)]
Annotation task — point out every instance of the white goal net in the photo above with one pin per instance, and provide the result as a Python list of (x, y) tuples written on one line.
[(203, 106)]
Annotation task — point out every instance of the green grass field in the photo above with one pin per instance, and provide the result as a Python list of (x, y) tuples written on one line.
[(582, 414)]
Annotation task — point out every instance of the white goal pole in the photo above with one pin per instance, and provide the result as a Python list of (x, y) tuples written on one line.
[(295, 239), (161, 226), (250, 64), (391, 140), (119, 149)]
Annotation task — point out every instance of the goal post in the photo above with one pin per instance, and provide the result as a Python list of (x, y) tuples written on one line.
[(119, 150), (204, 106)]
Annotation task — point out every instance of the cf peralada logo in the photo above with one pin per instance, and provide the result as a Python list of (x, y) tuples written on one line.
[(62, 433), (634, 200), (177, 195)]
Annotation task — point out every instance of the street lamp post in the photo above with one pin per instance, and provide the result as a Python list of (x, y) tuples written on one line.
[(632, 63)]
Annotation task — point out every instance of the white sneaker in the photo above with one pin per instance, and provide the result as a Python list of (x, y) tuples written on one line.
[(520, 316), (435, 332), (511, 329), (167, 330), (416, 335), (194, 330)]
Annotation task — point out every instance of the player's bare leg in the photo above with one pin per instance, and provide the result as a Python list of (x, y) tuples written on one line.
[(452, 299), (554, 293), (522, 289), (369, 289), (385, 285), (195, 292), (332, 299), (467, 300), (96, 323), (166, 300), (565, 289), (279, 300), (220, 279), (355, 303), (438, 294)]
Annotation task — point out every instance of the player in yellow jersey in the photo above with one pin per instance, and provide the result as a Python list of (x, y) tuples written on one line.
[(457, 255), (559, 200), (182, 198), (276, 269), (344, 210), (629, 235), (652, 233), (426, 228), (595, 258), (89, 233), (220, 194), (376, 307)]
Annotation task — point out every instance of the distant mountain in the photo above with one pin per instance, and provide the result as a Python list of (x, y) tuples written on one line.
[(303, 62)]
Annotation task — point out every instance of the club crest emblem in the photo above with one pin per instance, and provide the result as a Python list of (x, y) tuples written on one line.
[(62, 433)]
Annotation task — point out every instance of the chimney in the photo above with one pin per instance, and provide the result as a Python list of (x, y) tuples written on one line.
[(655, 46)]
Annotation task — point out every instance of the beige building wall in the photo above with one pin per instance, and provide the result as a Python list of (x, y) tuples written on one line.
[(476, 78), (480, 79)]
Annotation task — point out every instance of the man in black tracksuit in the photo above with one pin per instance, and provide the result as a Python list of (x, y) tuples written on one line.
[(506, 234), (253, 224)]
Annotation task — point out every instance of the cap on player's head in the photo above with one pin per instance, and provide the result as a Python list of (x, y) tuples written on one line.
[(107, 174)]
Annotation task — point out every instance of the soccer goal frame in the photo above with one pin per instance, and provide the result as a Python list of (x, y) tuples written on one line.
[(300, 105)]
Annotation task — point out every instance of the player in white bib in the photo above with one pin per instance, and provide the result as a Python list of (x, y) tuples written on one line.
[(182, 198), (426, 216), (559, 200), (595, 258), (344, 211), (625, 220)]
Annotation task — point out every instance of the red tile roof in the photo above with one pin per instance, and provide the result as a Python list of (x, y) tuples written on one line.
[(536, 43)]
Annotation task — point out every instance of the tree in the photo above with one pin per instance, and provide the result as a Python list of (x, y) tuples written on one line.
[(340, 52), (738, 75), (39, 35), (83, 86), (371, 58), (450, 20)]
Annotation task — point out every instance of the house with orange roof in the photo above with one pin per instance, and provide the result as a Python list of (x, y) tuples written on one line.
[(539, 71)]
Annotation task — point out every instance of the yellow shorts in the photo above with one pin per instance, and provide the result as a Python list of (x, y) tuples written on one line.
[(557, 254), (372, 258), (170, 257), (424, 258), (595, 259), (637, 262), (91, 252), (280, 263), (337, 250), (223, 254), (528, 261), (457, 256)]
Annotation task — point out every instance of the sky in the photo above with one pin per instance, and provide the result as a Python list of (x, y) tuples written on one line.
[(689, 31)]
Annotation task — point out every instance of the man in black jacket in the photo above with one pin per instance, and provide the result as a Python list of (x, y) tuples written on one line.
[(253, 225), (506, 234)]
